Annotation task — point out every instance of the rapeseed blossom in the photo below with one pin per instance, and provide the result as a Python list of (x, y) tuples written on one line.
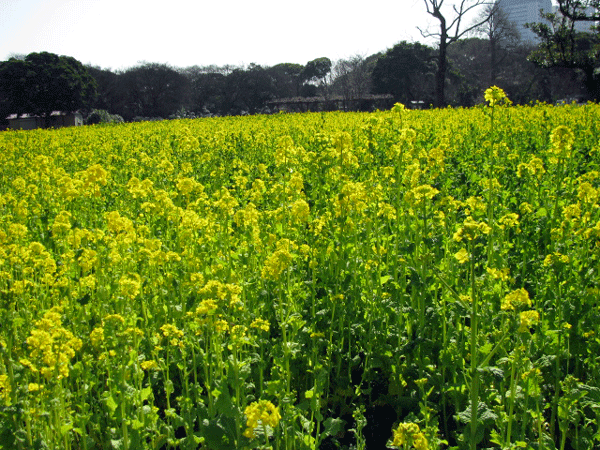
[(555, 258), (562, 139), (279, 261), (5, 388), (300, 211), (409, 435), (516, 299), (260, 414), (496, 96), (261, 324), (528, 319), (471, 229), (52, 346), (462, 255)]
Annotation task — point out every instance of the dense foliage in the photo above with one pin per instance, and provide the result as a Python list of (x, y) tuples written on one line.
[(334, 280), (44, 82)]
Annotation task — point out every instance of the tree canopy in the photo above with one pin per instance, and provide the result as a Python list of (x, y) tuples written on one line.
[(563, 45), (406, 71), (45, 82)]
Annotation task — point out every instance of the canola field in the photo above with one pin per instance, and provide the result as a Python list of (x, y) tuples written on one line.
[(304, 281)]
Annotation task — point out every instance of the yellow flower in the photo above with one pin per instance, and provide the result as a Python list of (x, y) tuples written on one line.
[(130, 285), (510, 220), (471, 229), (62, 223), (52, 346), (149, 365), (562, 139), (571, 212), (5, 388), (495, 95), (171, 331), (33, 387), (207, 307), (418, 195), (587, 193), (279, 261), (555, 258), (186, 185), (499, 274), (261, 413), (515, 300), (260, 324), (465, 298), (300, 211), (221, 326), (408, 435), (398, 108), (97, 336), (528, 319), (462, 255), (139, 189)]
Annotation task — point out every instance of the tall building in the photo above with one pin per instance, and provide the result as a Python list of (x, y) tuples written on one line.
[(584, 26), (521, 12)]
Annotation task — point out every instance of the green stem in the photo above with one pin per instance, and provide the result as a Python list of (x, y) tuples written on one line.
[(511, 402), (474, 346)]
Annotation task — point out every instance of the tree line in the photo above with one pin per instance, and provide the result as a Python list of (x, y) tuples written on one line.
[(464, 62)]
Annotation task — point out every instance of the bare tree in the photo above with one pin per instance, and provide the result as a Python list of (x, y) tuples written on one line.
[(352, 77), (501, 34), (450, 30)]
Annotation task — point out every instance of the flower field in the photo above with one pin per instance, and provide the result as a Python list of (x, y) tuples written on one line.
[(310, 281)]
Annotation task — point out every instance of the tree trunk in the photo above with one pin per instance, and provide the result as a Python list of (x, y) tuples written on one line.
[(592, 84), (493, 62), (440, 75)]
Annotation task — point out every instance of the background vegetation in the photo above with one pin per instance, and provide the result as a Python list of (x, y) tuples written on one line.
[(320, 280), (467, 57)]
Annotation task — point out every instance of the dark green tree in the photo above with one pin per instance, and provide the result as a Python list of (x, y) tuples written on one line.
[(316, 71), (407, 72), (109, 94), (45, 82), (152, 90), (580, 10), (247, 90), (286, 79), (563, 45), (207, 89)]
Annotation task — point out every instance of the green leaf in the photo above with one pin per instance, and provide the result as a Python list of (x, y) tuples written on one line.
[(66, 427), (146, 393), (111, 403), (332, 427)]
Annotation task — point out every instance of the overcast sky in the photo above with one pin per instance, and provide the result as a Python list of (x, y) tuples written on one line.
[(117, 34)]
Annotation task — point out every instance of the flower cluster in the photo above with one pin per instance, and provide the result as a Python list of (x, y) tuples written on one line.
[(260, 414), (409, 435), (516, 299), (51, 346), (496, 96)]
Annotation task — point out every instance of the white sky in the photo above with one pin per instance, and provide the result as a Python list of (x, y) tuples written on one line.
[(117, 34)]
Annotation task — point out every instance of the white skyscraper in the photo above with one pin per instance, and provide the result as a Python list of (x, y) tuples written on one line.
[(521, 12)]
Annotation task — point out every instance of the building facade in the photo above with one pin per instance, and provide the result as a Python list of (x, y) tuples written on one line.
[(56, 120), (521, 12)]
